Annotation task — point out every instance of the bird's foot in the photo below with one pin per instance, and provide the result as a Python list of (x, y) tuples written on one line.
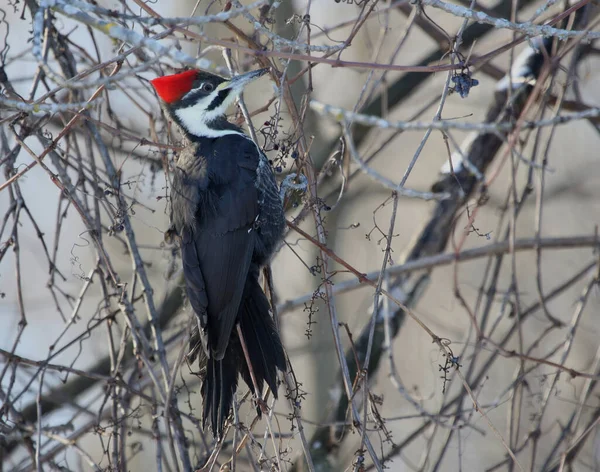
[(261, 406)]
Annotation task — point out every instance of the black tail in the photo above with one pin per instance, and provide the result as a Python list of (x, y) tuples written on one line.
[(264, 350), (217, 390)]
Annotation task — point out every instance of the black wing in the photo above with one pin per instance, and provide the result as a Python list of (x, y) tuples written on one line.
[(217, 249)]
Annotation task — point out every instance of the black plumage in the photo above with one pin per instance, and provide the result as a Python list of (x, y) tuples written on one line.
[(226, 209), (228, 216)]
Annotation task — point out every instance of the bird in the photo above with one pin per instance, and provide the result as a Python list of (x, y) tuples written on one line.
[(227, 216)]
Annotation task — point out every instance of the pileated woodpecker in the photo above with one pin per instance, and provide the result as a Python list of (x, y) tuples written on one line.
[(228, 218)]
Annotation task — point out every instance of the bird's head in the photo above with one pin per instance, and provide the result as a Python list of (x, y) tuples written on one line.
[(197, 101)]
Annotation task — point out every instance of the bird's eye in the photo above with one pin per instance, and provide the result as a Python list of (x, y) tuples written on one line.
[(207, 87)]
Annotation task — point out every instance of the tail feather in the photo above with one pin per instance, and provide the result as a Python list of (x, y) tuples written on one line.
[(264, 350), (263, 343), (217, 391)]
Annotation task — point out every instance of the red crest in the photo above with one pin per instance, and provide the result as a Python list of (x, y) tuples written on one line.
[(171, 88)]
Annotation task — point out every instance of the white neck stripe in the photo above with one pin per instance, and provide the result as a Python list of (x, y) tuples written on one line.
[(194, 118)]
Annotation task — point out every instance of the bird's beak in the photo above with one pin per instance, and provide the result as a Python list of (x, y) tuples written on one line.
[(238, 82)]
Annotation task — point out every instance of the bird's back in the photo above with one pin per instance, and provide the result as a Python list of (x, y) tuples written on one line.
[(235, 166)]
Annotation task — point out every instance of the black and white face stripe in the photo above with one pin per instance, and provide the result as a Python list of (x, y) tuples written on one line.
[(201, 111), (219, 99), (195, 96), (199, 115)]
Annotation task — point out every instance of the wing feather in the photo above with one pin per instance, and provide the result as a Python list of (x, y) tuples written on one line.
[(217, 251)]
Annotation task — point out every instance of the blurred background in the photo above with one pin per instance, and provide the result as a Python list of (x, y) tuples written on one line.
[(83, 262)]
